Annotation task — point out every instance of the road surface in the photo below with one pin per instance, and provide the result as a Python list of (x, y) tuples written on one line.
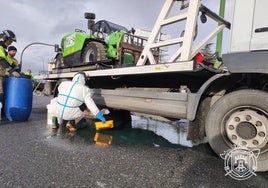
[(32, 155)]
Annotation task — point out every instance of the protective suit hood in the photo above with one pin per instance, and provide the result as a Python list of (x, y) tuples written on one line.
[(79, 78)]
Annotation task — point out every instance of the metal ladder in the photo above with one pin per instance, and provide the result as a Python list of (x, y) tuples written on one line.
[(185, 52)]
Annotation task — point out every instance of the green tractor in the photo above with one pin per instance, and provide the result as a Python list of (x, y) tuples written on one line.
[(107, 44)]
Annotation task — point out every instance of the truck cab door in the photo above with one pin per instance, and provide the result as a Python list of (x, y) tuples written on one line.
[(259, 40)]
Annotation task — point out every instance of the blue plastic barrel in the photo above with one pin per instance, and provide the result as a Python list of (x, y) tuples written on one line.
[(18, 96)]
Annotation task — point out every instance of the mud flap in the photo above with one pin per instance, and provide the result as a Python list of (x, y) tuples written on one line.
[(196, 128)]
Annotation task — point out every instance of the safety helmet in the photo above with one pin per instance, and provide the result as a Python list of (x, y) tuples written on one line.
[(7, 34), (80, 78)]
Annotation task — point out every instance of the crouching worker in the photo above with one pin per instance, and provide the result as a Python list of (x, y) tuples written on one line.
[(67, 105)]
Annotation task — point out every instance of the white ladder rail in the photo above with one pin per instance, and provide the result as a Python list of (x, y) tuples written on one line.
[(161, 21), (185, 51)]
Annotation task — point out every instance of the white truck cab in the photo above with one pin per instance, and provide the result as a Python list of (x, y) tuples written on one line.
[(249, 30)]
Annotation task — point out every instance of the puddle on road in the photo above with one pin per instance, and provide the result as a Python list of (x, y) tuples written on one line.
[(142, 131), (175, 133)]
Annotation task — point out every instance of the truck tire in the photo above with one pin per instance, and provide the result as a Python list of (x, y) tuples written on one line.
[(47, 88), (240, 118), (93, 51)]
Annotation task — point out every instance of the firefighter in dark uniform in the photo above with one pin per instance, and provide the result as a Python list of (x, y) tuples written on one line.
[(6, 39)]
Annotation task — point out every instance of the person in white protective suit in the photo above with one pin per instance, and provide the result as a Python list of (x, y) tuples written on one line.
[(71, 96)]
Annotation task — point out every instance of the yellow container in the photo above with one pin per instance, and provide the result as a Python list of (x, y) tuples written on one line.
[(107, 125)]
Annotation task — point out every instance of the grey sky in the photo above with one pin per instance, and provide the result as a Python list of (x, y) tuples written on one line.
[(48, 20)]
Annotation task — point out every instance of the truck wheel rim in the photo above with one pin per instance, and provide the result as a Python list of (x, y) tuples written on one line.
[(248, 127), (90, 55)]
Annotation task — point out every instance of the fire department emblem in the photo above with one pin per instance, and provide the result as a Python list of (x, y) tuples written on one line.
[(240, 163)]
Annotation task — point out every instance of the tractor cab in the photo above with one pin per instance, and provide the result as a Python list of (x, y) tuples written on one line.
[(107, 27)]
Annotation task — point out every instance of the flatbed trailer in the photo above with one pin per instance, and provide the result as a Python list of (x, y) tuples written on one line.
[(226, 103)]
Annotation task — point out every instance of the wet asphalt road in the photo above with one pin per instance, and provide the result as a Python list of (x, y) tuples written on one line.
[(32, 155)]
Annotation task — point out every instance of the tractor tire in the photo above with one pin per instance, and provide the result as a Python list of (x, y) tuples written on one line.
[(240, 118), (59, 61), (93, 51)]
